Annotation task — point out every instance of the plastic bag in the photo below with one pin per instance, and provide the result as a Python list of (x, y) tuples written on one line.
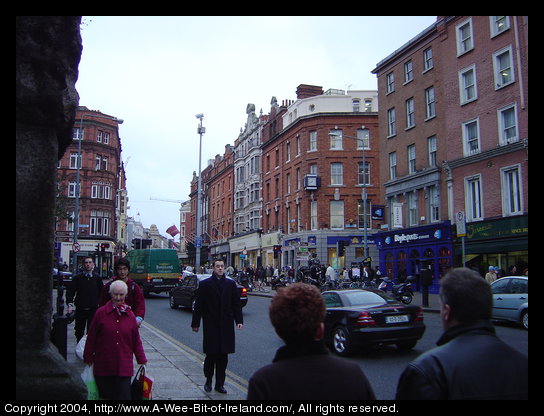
[(88, 378), (142, 385), (80, 347)]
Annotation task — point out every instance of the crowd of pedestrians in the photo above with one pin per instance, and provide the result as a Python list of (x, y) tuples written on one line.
[(469, 362)]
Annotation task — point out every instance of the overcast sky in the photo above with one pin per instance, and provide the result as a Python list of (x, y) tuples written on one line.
[(156, 73)]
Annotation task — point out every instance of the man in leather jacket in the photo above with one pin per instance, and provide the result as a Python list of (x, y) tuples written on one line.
[(470, 362)]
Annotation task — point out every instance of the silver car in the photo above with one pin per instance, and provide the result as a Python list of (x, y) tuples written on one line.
[(511, 299)]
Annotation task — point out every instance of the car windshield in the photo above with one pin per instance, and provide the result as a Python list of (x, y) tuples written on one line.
[(367, 298)]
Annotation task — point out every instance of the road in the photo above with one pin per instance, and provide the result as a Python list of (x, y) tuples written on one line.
[(257, 342)]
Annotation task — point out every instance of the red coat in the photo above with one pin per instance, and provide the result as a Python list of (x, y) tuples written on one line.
[(111, 341), (135, 297)]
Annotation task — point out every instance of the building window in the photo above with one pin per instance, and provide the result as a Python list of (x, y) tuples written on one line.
[(427, 59), (434, 204), (73, 161), (411, 151), (363, 175), (430, 104), (361, 214), (335, 139), (72, 190), (412, 208), (511, 191), (503, 67), (468, 90), (313, 141), (356, 105), (337, 215), (408, 72), (508, 130), (393, 165), (473, 198), (106, 138), (337, 174), (410, 117), (471, 137), (100, 191), (391, 122), (99, 134), (498, 24), (390, 80), (431, 147), (465, 37), (77, 134), (313, 215), (363, 139), (100, 223)]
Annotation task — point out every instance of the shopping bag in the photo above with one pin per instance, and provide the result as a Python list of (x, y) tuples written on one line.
[(80, 347), (88, 379), (142, 385), (136, 386)]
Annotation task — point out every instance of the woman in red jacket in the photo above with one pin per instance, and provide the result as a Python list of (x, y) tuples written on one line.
[(112, 339)]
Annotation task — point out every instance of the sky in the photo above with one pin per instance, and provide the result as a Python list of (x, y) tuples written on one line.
[(157, 72)]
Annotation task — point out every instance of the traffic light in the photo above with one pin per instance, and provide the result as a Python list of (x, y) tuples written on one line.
[(277, 251), (341, 247), (104, 246), (97, 248), (136, 243)]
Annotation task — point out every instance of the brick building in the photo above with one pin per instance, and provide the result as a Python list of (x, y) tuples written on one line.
[(453, 138), (102, 196), (313, 216)]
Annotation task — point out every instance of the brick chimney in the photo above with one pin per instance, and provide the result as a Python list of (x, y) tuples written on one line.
[(306, 91)]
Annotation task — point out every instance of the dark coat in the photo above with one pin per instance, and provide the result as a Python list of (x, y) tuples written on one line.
[(471, 362), (85, 289), (307, 371), (218, 304)]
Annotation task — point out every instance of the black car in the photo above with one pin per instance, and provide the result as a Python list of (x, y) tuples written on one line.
[(184, 293), (369, 317)]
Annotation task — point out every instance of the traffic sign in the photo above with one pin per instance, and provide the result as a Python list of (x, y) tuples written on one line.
[(76, 247), (461, 224)]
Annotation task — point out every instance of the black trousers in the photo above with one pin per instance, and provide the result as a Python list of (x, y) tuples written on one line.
[(83, 317), (113, 387), (219, 362)]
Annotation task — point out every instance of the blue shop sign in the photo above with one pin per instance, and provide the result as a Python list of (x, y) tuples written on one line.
[(427, 234)]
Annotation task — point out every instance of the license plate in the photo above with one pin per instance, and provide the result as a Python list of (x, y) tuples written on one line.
[(396, 319), (157, 280)]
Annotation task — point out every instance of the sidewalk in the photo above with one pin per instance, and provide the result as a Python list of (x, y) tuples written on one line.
[(177, 369)]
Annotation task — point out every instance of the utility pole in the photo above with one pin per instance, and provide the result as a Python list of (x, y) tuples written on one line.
[(198, 241)]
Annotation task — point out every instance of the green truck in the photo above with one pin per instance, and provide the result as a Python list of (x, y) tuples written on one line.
[(154, 269)]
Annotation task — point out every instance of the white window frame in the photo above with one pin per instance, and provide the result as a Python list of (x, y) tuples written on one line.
[(312, 141), (390, 82), (393, 165), (465, 88), (411, 154), (503, 139), (461, 41), (339, 213), (335, 140), (474, 198), (469, 148), (410, 113), (337, 173), (494, 25), (497, 69), (430, 103), (391, 122), (511, 190)]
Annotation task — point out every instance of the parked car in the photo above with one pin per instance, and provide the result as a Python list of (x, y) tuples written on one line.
[(66, 278), (369, 317), (511, 299), (184, 293)]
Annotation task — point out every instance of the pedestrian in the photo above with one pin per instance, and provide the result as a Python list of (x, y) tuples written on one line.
[(217, 303), (330, 274), (470, 361), (303, 369), (491, 276), (112, 341), (86, 288), (135, 296)]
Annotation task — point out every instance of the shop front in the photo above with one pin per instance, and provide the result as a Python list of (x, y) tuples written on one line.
[(404, 252), (245, 250), (502, 243)]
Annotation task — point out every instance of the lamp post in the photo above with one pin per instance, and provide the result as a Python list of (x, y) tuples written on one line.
[(198, 240), (78, 184), (365, 222)]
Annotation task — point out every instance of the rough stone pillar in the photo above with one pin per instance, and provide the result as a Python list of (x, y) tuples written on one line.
[(48, 50)]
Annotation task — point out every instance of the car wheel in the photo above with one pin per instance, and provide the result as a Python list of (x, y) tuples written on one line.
[(340, 341), (406, 298), (173, 303), (525, 319)]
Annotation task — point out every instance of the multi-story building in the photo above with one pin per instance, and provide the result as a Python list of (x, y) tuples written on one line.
[(101, 202), (453, 119), (316, 166)]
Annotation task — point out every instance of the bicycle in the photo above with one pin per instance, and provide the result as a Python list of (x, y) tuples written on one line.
[(259, 286)]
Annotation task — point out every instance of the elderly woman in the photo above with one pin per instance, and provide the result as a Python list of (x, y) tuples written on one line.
[(112, 339)]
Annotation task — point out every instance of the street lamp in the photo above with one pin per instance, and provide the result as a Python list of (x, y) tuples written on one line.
[(78, 167), (198, 241), (365, 236)]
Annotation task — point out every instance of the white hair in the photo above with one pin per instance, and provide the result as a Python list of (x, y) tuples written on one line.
[(119, 284)]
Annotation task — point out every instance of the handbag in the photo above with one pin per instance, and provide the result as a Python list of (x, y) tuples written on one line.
[(142, 384), (88, 378)]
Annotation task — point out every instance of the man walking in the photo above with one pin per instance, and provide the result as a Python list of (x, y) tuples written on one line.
[(218, 305), (86, 289)]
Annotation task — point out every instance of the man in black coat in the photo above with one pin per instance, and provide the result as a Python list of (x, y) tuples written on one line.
[(303, 369), (86, 288), (470, 362), (218, 304)]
